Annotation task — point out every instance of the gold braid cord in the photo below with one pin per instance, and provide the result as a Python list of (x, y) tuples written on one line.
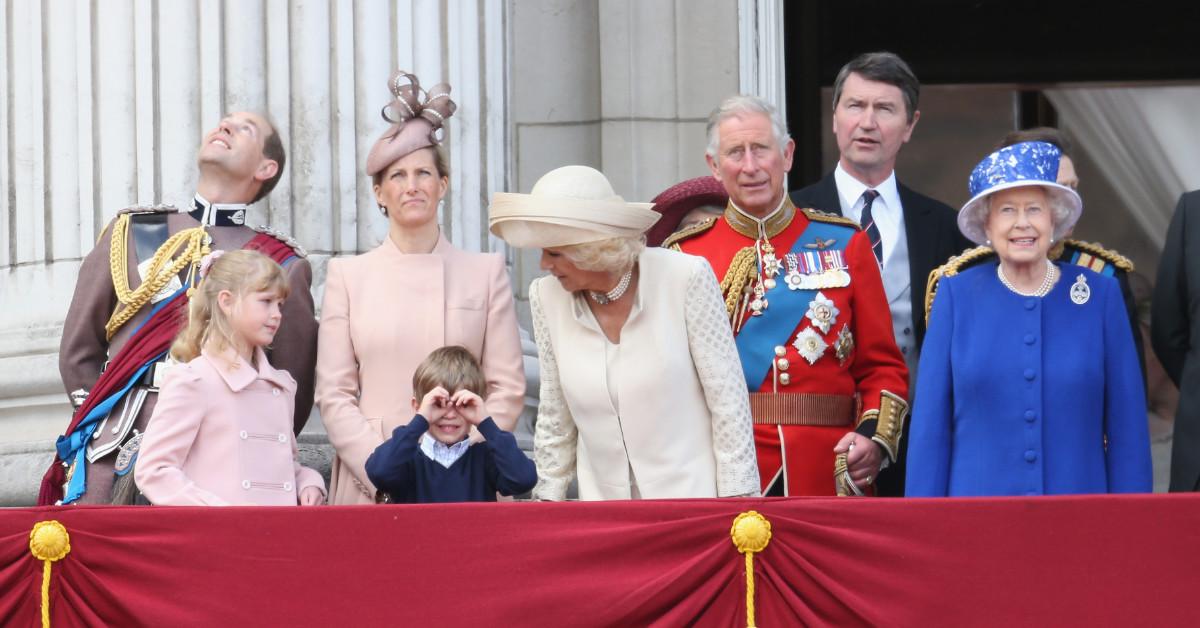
[(1095, 250), (49, 542), (183, 249), (751, 532), (742, 269)]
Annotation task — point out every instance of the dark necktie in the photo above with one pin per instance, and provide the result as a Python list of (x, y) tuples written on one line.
[(868, 224)]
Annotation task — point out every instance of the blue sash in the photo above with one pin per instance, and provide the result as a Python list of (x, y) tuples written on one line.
[(72, 447), (760, 335)]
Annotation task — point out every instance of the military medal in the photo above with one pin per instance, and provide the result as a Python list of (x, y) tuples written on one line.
[(844, 345), (810, 345), (1080, 291), (822, 312), (812, 270)]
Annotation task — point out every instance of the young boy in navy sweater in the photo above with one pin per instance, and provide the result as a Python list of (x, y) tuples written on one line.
[(431, 459)]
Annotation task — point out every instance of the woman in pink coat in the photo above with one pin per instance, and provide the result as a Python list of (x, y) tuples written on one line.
[(387, 309)]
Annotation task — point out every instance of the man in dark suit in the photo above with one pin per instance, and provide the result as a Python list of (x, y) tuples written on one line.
[(874, 114), (1174, 331)]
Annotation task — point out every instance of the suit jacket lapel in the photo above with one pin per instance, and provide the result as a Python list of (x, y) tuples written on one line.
[(827, 198)]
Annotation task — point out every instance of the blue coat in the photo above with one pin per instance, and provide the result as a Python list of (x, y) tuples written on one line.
[(1016, 395)]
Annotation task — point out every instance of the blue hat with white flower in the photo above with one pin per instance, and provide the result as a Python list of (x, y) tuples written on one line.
[(1023, 164)]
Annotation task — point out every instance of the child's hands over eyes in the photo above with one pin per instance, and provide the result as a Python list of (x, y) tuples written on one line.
[(434, 404), (469, 405)]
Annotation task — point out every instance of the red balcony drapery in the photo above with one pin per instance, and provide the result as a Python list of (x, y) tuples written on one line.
[(1097, 560)]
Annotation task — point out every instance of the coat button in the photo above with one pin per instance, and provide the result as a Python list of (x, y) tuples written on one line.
[(1030, 339), (242, 434), (780, 351), (1030, 416), (246, 484), (1030, 456), (1030, 374), (907, 331), (783, 364), (275, 391), (1030, 304), (785, 379), (287, 486), (283, 438)]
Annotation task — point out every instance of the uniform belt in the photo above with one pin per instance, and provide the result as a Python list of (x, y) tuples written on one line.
[(802, 409), (151, 378)]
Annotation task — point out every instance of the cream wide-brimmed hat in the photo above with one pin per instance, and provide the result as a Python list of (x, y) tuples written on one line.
[(568, 205)]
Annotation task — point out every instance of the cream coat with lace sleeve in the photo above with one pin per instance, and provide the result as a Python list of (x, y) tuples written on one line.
[(684, 426)]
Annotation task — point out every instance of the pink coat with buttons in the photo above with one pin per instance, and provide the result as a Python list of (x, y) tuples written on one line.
[(221, 435)]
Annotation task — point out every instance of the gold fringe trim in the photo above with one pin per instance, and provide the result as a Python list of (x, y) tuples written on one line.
[(1108, 255), (820, 216), (673, 240), (952, 267)]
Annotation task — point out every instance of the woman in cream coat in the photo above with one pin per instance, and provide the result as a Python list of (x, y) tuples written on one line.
[(387, 309), (638, 399)]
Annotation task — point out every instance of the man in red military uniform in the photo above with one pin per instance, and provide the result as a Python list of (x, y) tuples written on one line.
[(811, 320)]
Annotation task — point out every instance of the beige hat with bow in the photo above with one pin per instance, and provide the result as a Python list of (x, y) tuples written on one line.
[(568, 205), (416, 117)]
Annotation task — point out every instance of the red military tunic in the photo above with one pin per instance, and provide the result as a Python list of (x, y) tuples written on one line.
[(852, 374)]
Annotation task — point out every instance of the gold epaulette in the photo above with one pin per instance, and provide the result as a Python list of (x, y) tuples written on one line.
[(149, 209), (1095, 250), (953, 266), (820, 216), (284, 238), (673, 240)]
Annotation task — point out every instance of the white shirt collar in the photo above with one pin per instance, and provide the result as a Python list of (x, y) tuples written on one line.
[(442, 453), (850, 191)]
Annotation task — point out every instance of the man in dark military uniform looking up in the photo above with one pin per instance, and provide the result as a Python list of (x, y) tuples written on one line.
[(132, 286)]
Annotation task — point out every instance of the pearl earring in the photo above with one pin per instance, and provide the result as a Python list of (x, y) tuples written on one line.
[(383, 210), (987, 243)]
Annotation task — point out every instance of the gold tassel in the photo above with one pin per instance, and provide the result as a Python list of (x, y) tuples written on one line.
[(751, 532), (48, 542)]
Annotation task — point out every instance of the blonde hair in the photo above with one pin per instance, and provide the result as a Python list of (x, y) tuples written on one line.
[(452, 368), (614, 255), (239, 272)]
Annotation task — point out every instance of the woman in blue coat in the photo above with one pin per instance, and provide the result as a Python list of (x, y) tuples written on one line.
[(1028, 382)]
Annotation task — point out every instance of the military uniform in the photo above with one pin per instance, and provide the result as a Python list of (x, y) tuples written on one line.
[(814, 336), (98, 323)]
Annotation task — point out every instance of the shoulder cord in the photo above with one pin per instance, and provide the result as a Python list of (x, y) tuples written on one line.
[(182, 249)]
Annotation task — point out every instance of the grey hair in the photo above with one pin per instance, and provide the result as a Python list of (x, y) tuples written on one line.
[(736, 106), (1060, 212), (614, 255)]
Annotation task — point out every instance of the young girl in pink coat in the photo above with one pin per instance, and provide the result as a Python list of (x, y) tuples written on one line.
[(221, 434)]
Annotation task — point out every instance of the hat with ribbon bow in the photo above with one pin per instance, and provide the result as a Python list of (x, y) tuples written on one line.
[(416, 117)]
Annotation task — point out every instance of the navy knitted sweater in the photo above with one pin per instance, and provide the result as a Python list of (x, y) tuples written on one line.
[(399, 468)]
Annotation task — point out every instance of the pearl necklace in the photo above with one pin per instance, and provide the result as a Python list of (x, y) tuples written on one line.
[(1043, 290), (604, 298)]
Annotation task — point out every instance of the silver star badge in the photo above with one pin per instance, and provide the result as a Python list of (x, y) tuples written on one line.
[(810, 345)]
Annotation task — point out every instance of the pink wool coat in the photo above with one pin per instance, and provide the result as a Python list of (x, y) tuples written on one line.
[(384, 312), (221, 435)]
